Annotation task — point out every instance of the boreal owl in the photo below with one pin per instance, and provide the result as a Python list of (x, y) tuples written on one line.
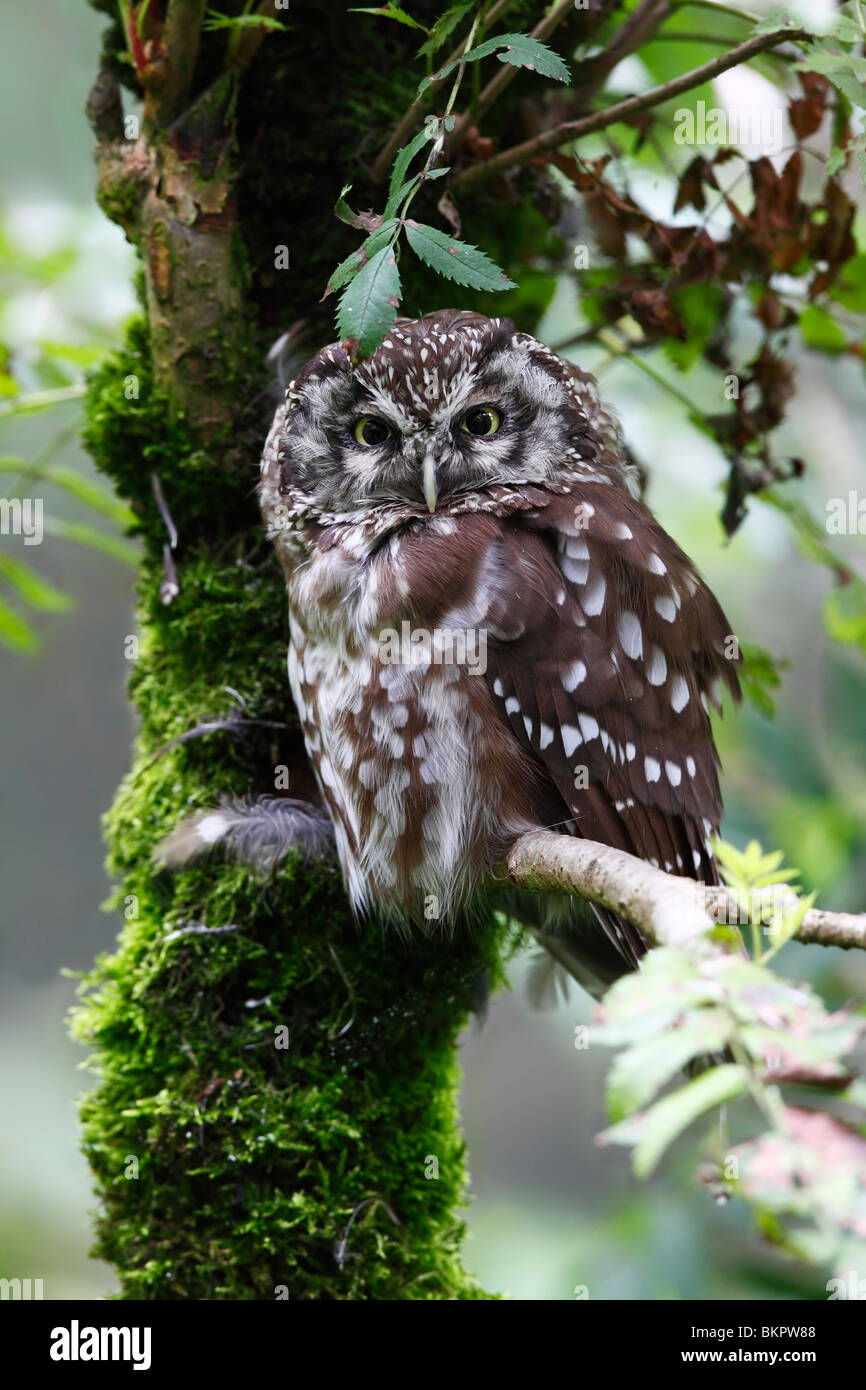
[(489, 634)]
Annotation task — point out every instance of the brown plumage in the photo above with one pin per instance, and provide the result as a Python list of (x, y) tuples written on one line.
[(489, 630)]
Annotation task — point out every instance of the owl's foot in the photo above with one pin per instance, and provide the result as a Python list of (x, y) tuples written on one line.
[(259, 831)]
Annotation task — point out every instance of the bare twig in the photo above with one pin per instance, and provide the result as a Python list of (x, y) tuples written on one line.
[(666, 908), (621, 110)]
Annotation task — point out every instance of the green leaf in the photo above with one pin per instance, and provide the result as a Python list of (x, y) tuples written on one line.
[(520, 51), (215, 20), (821, 331), (342, 209), (640, 1071), (81, 354), (79, 533), (785, 924), (391, 11), (348, 269), (42, 400), (443, 28), (845, 614), (14, 632), (849, 287), (654, 1130), (778, 18), (93, 496), (846, 71), (456, 260), (760, 675), (31, 587), (368, 306), (402, 160)]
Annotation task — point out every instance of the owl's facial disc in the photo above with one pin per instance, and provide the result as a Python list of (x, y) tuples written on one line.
[(444, 408)]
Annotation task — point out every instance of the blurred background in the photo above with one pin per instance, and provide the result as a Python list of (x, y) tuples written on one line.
[(549, 1211)]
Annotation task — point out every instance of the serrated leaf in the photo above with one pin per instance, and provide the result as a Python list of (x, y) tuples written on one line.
[(31, 587), (348, 269), (342, 209), (369, 304), (520, 50), (654, 1130), (638, 1073), (14, 632), (391, 11), (215, 21), (777, 19), (402, 160), (456, 260), (850, 85), (443, 28)]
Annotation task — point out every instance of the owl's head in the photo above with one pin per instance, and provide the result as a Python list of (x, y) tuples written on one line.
[(450, 404)]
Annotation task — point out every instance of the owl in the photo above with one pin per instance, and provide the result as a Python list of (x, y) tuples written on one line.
[(489, 634)]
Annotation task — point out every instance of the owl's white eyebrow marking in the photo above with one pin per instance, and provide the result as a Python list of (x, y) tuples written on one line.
[(630, 634), (665, 607), (657, 667), (653, 769), (679, 693)]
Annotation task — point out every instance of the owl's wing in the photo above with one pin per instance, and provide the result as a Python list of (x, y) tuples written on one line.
[(604, 650)]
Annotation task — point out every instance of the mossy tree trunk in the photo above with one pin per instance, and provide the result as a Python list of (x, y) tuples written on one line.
[(272, 1093)]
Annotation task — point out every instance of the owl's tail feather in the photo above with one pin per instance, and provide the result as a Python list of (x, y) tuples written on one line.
[(587, 944), (259, 831)]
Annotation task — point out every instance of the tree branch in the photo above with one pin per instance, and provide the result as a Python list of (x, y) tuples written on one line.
[(621, 110), (180, 40), (667, 909)]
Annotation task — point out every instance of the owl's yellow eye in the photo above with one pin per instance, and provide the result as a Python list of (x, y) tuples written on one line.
[(371, 431), (481, 420)]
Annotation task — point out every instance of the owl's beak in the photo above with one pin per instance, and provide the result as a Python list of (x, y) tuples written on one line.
[(429, 479)]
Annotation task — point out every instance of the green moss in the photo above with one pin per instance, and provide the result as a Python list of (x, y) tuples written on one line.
[(251, 1158)]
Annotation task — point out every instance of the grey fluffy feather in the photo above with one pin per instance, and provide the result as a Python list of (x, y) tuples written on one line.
[(259, 831)]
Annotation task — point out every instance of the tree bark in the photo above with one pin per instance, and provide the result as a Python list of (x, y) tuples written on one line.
[(276, 1112)]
